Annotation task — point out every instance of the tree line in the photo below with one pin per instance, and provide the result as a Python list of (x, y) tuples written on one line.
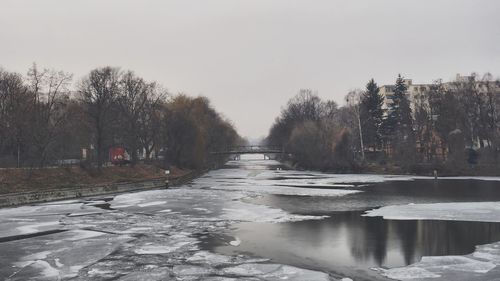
[(43, 121), (453, 126)]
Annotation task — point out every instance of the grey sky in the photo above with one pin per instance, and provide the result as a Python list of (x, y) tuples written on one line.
[(250, 57)]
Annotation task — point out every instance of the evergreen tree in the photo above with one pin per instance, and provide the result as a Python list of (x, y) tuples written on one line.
[(399, 123), (372, 115), (399, 119)]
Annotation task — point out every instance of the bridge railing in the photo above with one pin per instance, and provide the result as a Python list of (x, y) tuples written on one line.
[(250, 149)]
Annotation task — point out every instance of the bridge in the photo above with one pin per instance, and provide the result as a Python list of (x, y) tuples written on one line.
[(250, 149)]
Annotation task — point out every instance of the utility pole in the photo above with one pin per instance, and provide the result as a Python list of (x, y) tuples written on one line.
[(353, 98), (360, 134)]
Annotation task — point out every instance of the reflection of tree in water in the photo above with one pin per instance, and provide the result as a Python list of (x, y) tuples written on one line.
[(439, 238), (370, 238), (408, 231), (380, 233)]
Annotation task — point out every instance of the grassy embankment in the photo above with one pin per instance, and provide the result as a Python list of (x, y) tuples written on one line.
[(27, 180)]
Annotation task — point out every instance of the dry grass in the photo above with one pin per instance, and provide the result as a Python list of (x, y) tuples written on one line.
[(25, 180)]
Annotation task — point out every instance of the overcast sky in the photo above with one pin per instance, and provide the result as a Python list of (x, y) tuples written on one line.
[(250, 57)]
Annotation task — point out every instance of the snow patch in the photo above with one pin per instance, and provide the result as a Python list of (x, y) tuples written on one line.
[(235, 242), (154, 203), (46, 269), (31, 228), (156, 249), (83, 234), (205, 257), (136, 230)]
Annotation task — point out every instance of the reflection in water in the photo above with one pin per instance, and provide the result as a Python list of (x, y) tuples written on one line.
[(349, 239)]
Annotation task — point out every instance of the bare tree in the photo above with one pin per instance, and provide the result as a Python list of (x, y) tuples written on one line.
[(98, 92), (15, 106), (139, 102), (151, 118), (50, 95)]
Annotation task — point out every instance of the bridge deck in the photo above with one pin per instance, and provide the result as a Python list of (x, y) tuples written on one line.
[(250, 150)]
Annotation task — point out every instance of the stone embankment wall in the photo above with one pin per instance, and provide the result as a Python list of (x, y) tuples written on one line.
[(15, 199)]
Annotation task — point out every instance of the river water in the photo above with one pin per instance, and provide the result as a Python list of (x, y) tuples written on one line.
[(348, 242), (255, 220)]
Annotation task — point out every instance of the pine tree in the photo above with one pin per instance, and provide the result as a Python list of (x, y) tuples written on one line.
[(399, 123), (372, 115)]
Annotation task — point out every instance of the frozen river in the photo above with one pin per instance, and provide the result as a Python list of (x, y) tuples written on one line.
[(254, 221)]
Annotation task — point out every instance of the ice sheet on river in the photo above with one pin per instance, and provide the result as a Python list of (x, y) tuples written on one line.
[(462, 211), (306, 190), (212, 205), (58, 256), (313, 178), (483, 264), (29, 220)]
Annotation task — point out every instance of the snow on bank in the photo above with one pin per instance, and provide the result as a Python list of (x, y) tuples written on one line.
[(463, 211), (484, 259)]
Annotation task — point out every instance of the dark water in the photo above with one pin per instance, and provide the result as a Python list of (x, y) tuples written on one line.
[(349, 243), (390, 193)]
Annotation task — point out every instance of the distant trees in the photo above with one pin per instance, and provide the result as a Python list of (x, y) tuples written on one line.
[(42, 122), (32, 113), (305, 106), (310, 129), (445, 124), (192, 129)]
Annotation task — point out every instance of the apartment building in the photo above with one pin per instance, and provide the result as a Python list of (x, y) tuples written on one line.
[(413, 90)]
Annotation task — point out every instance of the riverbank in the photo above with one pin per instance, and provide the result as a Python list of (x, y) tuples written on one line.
[(23, 186), (415, 170)]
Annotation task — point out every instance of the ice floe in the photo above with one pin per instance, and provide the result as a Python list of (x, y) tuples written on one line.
[(463, 211), (242, 211), (159, 249), (154, 203), (79, 234), (235, 242), (485, 259), (288, 190), (435, 267), (35, 227)]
